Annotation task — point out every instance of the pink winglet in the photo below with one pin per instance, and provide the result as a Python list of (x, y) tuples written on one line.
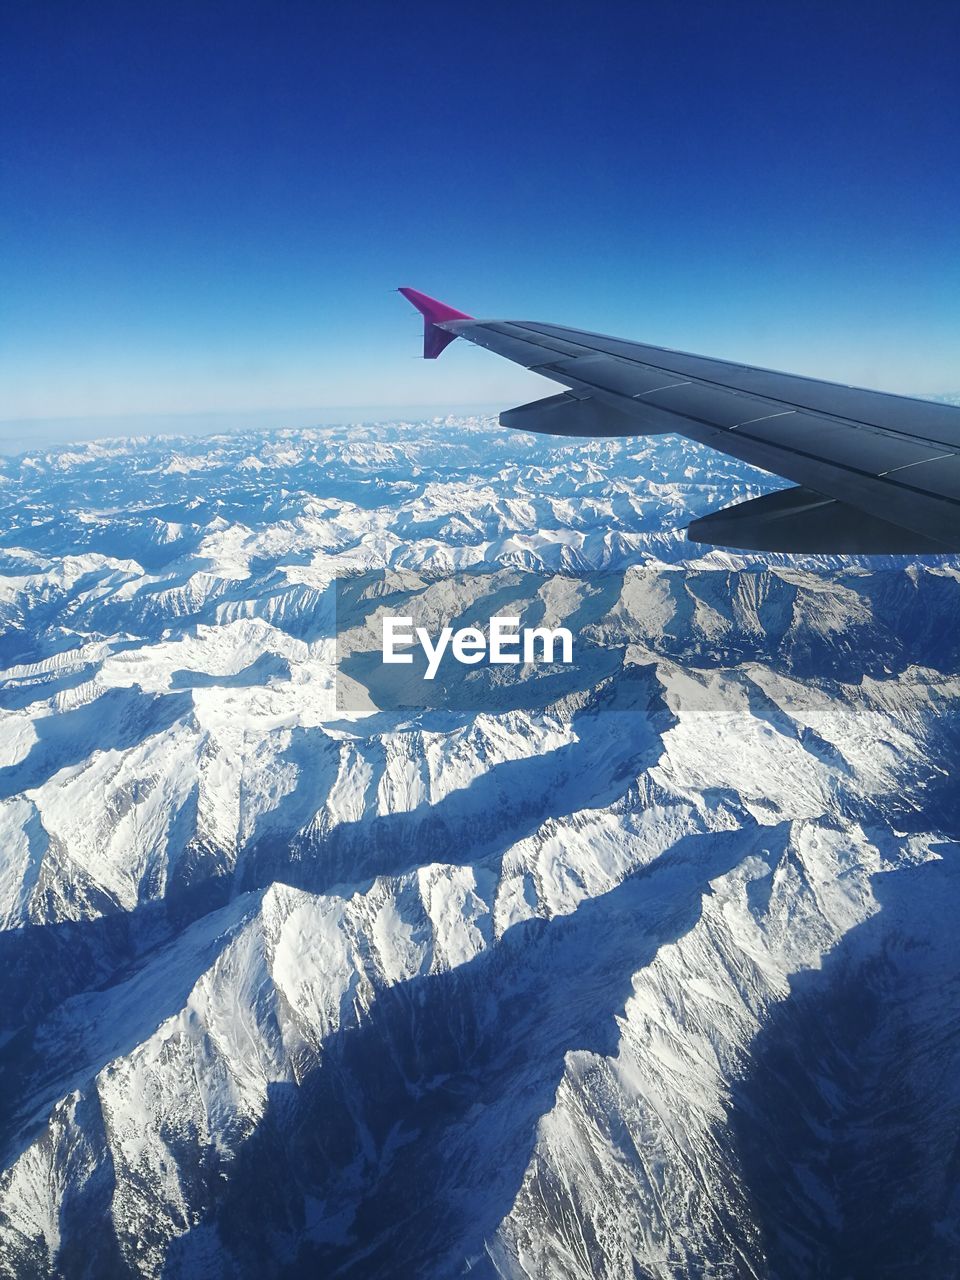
[(433, 312)]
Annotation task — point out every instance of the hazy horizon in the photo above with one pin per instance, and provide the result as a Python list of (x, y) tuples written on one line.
[(21, 435)]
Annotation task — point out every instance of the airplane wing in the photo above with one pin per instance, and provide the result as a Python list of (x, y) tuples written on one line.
[(873, 473)]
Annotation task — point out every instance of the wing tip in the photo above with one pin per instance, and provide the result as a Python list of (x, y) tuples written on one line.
[(434, 312), (431, 308)]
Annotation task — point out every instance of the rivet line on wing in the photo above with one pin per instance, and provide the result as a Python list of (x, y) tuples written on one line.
[(783, 413), (919, 463)]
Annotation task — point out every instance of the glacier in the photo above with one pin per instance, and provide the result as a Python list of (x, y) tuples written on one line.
[(648, 972)]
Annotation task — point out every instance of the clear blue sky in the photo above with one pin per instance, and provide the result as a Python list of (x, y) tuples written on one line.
[(204, 206)]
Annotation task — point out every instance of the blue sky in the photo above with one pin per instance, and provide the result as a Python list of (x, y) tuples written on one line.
[(203, 207)]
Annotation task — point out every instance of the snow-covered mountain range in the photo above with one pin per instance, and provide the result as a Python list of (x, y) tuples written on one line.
[(650, 972)]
